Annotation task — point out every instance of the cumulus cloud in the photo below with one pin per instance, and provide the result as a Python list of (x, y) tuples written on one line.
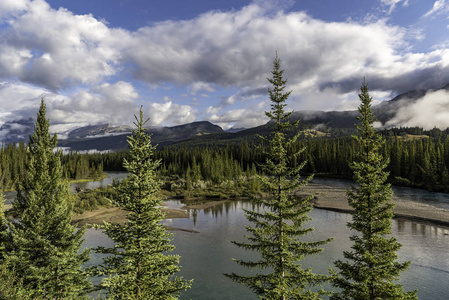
[(201, 86), (11, 7), (18, 101), (107, 103), (170, 113), (238, 118), (56, 49), (70, 58), (429, 111), (249, 117), (235, 48)]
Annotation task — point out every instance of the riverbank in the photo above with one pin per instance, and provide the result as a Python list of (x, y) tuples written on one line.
[(325, 197), (116, 215), (334, 198)]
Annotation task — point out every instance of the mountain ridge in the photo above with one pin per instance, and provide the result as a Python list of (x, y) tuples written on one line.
[(109, 137)]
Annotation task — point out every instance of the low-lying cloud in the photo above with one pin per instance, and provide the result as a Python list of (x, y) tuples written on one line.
[(428, 112)]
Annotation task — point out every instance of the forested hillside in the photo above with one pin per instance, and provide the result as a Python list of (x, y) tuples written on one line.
[(415, 160), (418, 158)]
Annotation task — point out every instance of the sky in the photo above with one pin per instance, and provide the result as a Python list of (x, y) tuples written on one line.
[(97, 62)]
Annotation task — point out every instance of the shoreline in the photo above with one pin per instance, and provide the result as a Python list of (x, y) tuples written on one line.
[(334, 198)]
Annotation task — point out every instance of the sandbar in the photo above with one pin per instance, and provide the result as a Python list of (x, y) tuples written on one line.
[(334, 198)]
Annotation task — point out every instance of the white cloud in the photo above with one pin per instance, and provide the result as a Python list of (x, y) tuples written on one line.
[(47, 51), (429, 111), (56, 49), (107, 103), (11, 7), (212, 110), (392, 4), (236, 49), (438, 6), (243, 117), (201, 86), (115, 104), (17, 101), (170, 113)]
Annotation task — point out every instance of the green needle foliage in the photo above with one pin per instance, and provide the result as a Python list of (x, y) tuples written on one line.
[(277, 231), (44, 246), (3, 228), (137, 265), (11, 287), (370, 268)]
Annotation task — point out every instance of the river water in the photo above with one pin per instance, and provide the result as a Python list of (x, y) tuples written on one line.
[(9, 196), (206, 255)]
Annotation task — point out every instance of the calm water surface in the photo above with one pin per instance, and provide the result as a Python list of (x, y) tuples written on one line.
[(205, 256)]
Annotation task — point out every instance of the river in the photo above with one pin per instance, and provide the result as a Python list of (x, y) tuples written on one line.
[(9, 196), (206, 255)]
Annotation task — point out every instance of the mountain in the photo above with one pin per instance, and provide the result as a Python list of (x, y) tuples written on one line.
[(384, 111), (16, 131), (107, 137), (97, 131), (84, 139)]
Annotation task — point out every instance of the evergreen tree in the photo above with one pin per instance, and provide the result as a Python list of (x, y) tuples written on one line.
[(277, 231), (3, 228), (137, 265), (11, 287), (370, 268), (44, 245)]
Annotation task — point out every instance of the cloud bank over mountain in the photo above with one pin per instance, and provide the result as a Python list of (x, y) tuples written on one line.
[(210, 67)]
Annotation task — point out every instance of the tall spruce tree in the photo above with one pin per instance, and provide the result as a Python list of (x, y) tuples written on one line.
[(44, 246), (138, 266), (371, 267), (277, 230)]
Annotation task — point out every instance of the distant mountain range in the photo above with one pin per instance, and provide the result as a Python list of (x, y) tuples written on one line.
[(16, 131), (107, 137)]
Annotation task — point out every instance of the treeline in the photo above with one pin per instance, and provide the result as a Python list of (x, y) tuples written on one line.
[(401, 131), (422, 162), (13, 158)]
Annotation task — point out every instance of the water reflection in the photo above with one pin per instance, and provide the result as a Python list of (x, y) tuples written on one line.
[(206, 255), (402, 193)]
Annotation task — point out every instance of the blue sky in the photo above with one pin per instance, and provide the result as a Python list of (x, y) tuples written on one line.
[(97, 62)]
